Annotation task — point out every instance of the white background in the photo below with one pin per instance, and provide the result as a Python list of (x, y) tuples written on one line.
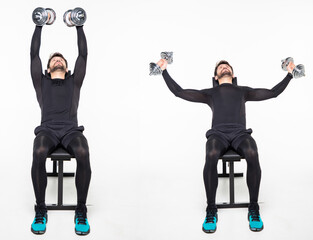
[(148, 147)]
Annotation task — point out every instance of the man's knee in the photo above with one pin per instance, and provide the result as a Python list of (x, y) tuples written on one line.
[(212, 155), (251, 153), (81, 152), (248, 148), (214, 148), (39, 157), (79, 148), (42, 146), (211, 159), (251, 156), (82, 157), (40, 152)]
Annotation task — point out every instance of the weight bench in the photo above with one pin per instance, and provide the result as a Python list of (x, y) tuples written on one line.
[(60, 155), (231, 156)]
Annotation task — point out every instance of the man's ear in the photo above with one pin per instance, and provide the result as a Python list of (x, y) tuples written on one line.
[(67, 70), (216, 78), (48, 70)]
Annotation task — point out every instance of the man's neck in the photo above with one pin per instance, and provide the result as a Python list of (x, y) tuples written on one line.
[(58, 74), (225, 79)]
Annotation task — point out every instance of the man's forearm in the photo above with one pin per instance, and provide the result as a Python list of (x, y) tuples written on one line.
[(36, 41), (280, 87), (81, 42)]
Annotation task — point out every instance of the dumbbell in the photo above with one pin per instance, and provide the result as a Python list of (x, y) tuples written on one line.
[(75, 17), (297, 72), (42, 16), (155, 68)]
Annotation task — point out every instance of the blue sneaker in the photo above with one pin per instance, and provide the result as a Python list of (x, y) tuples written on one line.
[(39, 224), (255, 221), (81, 223), (209, 225)]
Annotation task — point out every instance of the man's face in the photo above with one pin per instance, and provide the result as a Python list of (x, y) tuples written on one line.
[(57, 63), (223, 70)]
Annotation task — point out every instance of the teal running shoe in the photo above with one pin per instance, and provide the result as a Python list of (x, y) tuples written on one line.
[(209, 225), (255, 221), (81, 223), (39, 224)]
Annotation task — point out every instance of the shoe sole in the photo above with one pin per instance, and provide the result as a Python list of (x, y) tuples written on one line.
[(256, 229), (208, 231), (37, 232), (82, 233)]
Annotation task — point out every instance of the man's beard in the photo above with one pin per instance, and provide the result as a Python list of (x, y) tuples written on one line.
[(58, 68), (225, 73)]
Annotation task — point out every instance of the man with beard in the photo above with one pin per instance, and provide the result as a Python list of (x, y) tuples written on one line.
[(227, 102), (58, 96)]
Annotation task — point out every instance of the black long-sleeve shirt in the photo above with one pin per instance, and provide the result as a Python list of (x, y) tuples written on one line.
[(227, 101), (58, 98)]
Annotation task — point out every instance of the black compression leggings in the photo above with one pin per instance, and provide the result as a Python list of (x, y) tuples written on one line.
[(79, 148), (42, 147), (214, 149)]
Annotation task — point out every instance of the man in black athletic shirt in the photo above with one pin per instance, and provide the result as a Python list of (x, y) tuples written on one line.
[(58, 97), (227, 102)]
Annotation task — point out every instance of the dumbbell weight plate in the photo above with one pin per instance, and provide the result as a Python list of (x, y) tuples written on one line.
[(78, 16), (155, 69), (285, 63), (52, 14), (298, 71), (168, 56), (66, 18), (40, 16)]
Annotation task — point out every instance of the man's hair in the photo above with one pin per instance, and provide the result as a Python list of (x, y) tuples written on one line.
[(56, 54), (222, 62)]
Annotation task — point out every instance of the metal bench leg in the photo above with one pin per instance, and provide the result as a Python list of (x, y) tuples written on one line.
[(231, 183), (224, 168), (60, 183), (54, 172)]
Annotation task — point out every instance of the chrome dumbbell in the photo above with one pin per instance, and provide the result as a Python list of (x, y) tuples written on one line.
[(75, 17), (298, 71), (155, 68), (42, 16)]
